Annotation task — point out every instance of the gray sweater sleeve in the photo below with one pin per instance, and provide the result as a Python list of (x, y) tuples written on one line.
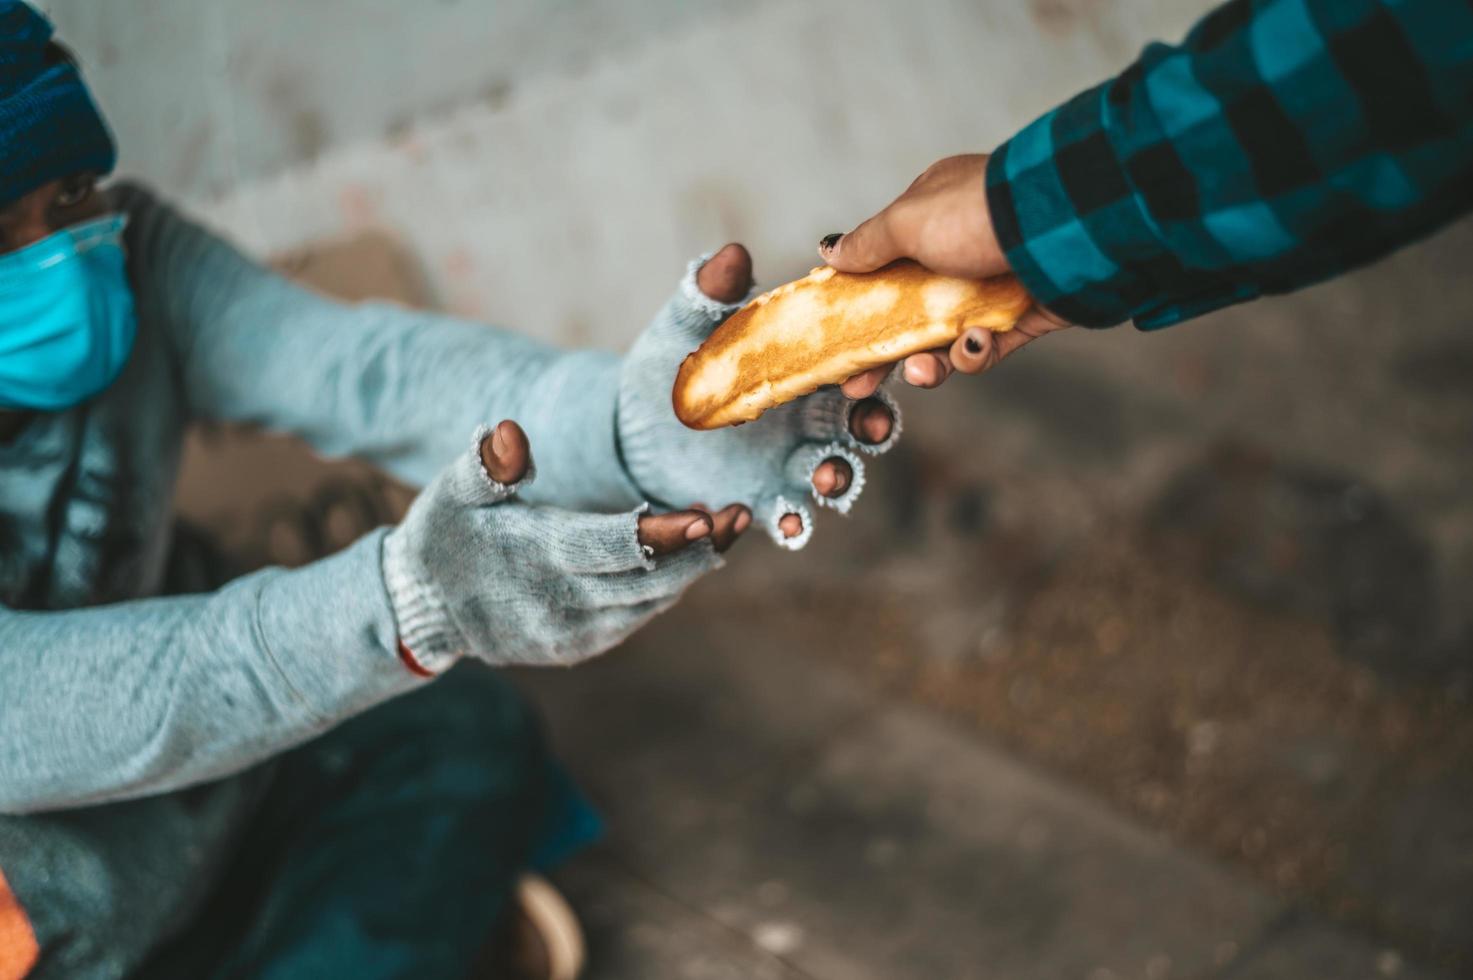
[(148, 696), (398, 387)]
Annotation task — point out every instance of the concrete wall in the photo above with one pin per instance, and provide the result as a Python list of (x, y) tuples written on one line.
[(209, 94), (553, 165)]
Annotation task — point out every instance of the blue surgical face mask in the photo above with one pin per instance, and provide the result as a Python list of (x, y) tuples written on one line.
[(66, 316)]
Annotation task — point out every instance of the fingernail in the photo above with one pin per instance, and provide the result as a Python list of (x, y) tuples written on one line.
[(878, 424), (498, 444), (827, 243), (697, 530), (973, 343), (840, 476), (870, 422), (743, 520)]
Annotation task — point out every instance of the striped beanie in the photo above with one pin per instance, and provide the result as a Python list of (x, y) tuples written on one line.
[(49, 126)]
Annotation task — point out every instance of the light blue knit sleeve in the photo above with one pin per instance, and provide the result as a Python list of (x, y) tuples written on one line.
[(144, 697), (398, 387)]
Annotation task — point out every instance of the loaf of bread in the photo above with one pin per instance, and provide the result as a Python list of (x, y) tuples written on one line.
[(825, 328)]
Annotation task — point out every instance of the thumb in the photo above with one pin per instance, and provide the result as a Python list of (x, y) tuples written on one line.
[(506, 453), (498, 465), (713, 289), (864, 249)]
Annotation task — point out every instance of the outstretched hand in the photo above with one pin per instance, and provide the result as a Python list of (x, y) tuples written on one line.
[(811, 449), (727, 278), (942, 222)]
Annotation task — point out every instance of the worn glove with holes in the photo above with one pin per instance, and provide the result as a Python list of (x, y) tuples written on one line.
[(471, 570), (767, 464)]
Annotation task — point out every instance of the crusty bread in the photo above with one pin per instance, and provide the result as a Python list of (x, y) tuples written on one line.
[(827, 327)]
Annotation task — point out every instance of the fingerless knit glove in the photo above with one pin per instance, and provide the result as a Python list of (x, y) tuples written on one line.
[(767, 464), (473, 571)]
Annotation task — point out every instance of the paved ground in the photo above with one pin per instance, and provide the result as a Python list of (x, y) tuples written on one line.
[(769, 817)]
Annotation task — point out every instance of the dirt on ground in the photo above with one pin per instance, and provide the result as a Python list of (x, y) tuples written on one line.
[(1238, 731)]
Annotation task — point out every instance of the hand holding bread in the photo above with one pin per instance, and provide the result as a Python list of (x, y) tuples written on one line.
[(812, 450), (943, 222), (827, 327), (923, 281)]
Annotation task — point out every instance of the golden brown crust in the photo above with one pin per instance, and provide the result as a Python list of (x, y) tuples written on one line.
[(827, 327)]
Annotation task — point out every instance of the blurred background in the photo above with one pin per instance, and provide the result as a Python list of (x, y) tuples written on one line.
[(1144, 656)]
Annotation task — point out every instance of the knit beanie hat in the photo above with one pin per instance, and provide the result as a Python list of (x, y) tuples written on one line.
[(49, 126)]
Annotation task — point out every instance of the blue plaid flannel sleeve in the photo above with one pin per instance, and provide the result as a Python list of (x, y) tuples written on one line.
[(1281, 143)]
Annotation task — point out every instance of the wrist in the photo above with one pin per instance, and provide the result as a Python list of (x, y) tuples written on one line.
[(574, 425), (994, 256)]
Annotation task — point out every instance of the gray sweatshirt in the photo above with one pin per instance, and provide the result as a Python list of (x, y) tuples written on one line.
[(111, 693)]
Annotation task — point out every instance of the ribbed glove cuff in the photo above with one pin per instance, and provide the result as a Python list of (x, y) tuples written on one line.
[(419, 613)]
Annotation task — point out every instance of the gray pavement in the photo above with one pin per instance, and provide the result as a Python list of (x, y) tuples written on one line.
[(769, 818)]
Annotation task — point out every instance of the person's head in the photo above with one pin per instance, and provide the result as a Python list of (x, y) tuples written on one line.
[(66, 318), (42, 197)]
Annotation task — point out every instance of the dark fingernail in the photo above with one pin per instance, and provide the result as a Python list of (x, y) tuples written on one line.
[(829, 241), (973, 345)]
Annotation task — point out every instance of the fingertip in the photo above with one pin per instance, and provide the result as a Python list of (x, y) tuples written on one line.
[(865, 383), (871, 422), (791, 525), (505, 452), (832, 477), (701, 524), (727, 526), (972, 350), (726, 276), (835, 256), (865, 249), (924, 370), (823, 478), (828, 243), (668, 533)]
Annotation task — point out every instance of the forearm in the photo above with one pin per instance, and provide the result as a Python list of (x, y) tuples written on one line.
[(1281, 143), (404, 389), (401, 388), (145, 697)]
